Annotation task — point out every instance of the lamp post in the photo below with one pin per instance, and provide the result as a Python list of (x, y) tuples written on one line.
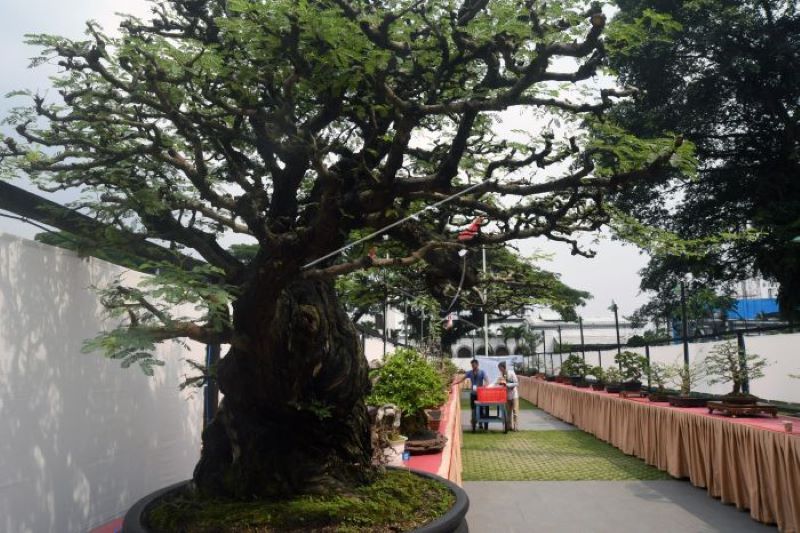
[(583, 348), (685, 326), (485, 312), (615, 308)]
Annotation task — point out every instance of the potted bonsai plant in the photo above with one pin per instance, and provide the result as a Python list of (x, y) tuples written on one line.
[(631, 366), (685, 377), (294, 127), (659, 374), (409, 381), (596, 378), (613, 379), (726, 364), (574, 367)]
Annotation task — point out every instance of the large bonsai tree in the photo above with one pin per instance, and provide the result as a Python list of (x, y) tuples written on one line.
[(300, 127)]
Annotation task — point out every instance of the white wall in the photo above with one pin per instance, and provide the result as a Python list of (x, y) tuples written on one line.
[(782, 351), (80, 438), (373, 348)]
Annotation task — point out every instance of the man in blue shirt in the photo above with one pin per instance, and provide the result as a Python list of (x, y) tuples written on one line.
[(478, 378)]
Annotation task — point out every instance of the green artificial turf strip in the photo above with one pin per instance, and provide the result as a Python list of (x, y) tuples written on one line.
[(548, 456)]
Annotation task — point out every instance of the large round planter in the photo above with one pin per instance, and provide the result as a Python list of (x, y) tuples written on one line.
[(454, 521)]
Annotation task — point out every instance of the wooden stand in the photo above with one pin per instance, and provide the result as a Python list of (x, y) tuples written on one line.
[(734, 410)]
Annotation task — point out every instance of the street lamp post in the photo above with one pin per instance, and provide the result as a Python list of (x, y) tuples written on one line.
[(615, 308), (583, 348), (685, 327), (485, 312)]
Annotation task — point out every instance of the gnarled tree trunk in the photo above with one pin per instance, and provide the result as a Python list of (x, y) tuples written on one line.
[(293, 419)]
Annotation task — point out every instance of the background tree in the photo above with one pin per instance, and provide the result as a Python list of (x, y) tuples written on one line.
[(707, 301), (300, 126), (511, 285), (726, 75)]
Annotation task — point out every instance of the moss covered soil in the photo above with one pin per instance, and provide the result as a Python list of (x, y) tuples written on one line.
[(396, 501)]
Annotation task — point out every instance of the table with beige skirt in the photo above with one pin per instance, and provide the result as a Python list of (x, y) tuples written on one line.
[(738, 461)]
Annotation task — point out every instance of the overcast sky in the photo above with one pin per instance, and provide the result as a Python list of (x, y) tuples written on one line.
[(610, 275)]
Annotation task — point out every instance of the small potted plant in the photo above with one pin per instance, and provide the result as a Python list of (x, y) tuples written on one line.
[(410, 382), (685, 377), (659, 374), (596, 378), (613, 379), (434, 417), (631, 365), (726, 364), (574, 367)]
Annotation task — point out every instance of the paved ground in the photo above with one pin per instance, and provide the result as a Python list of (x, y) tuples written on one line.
[(600, 507)]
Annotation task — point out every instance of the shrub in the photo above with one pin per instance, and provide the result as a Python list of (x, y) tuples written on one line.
[(631, 365), (408, 381), (598, 372), (612, 376), (446, 370), (660, 374), (574, 365)]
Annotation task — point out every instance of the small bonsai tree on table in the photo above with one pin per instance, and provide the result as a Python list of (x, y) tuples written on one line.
[(596, 376), (686, 377), (727, 364), (632, 367), (659, 374), (613, 378), (575, 368)]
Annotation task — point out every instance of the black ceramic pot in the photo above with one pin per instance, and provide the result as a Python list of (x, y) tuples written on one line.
[(454, 521), (740, 399), (613, 388), (657, 396), (687, 401), (632, 386)]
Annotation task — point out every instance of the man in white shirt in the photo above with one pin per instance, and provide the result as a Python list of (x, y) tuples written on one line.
[(509, 378)]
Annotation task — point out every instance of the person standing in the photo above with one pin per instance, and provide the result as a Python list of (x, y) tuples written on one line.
[(478, 378), (509, 378)]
